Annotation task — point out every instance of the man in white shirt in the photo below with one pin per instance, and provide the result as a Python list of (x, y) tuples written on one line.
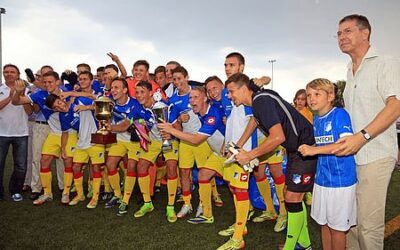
[(14, 131), (372, 98)]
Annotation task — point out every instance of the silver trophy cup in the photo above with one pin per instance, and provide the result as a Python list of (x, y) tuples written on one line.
[(161, 113)]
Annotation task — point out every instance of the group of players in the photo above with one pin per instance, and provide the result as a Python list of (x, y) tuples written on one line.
[(203, 119)]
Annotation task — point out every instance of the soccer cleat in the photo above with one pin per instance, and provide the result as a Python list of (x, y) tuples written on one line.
[(199, 210), (76, 200), (92, 204), (250, 214), (90, 192), (112, 202), (147, 207), (43, 199), (265, 215), (185, 210), (232, 244), (281, 223), (17, 197), (218, 201), (308, 198), (122, 209), (171, 215), (230, 230), (65, 199), (201, 220), (106, 196)]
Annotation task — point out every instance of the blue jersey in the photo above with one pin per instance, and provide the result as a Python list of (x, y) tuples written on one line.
[(226, 103), (212, 125), (130, 110), (98, 87), (333, 171), (179, 104)]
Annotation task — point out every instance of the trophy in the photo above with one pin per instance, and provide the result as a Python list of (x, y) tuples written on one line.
[(160, 111), (103, 113)]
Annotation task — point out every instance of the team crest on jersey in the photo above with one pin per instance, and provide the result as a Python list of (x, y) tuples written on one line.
[(328, 126), (211, 120), (296, 178), (244, 177), (72, 149), (101, 155), (306, 178), (236, 175)]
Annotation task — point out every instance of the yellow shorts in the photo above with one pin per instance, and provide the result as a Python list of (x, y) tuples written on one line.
[(189, 153), (155, 150), (236, 176), (121, 148), (273, 157), (52, 145), (94, 153), (232, 173)]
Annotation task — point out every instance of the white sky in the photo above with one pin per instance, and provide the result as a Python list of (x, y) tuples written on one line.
[(198, 34)]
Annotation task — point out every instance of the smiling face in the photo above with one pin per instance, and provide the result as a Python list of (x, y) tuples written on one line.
[(180, 82), (214, 90), (168, 71), (235, 93), (160, 79), (60, 106), (84, 81), (319, 100), (351, 37), (140, 73), (144, 96), (118, 91)]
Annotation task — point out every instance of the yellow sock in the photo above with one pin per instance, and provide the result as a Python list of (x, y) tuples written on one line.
[(113, 177), (279, 193), (279, 187), (265, 191), (96, 185), (242, 209), (45, 178), (161, 171), (128, 188), (68, 178), (187, 198), (172, 185), (144, 184), (78, 180), (107, 186), (214, 189), (205, 198)]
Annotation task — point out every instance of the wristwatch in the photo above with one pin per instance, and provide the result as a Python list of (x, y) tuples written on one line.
[(366, 136)]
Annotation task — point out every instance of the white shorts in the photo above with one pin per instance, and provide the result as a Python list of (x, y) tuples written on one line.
[(335, 207)]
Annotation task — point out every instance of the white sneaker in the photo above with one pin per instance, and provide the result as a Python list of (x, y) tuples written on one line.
[(199, 211), (65, 199), (185, 210)]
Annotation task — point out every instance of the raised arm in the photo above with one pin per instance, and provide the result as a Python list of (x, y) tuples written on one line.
[(121, 67)]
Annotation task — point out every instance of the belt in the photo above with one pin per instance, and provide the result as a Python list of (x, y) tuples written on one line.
[(40, 122)]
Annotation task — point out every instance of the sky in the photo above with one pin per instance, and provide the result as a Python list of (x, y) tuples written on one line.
[(298, 34)]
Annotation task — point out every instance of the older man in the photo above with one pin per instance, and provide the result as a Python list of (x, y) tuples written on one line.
[(372, 98), (14, 131)]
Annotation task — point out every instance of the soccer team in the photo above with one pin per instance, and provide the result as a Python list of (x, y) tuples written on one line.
[(203, 120)]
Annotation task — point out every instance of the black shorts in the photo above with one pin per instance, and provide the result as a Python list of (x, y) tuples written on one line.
[(300, 173)]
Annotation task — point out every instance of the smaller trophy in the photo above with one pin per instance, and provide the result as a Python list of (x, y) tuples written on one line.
[(160, 111), (103, 114)]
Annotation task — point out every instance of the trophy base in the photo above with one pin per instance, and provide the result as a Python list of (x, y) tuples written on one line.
[(104, 139)]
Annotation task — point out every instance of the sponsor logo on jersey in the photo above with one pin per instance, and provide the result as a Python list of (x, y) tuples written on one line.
[(244, 177), (324, 139), (211, 120), (296, 178), (307, 178)]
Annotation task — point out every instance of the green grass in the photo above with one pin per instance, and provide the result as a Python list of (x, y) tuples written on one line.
[(54, 226)]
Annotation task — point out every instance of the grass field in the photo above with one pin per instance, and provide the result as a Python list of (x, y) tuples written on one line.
[(54, 226)]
